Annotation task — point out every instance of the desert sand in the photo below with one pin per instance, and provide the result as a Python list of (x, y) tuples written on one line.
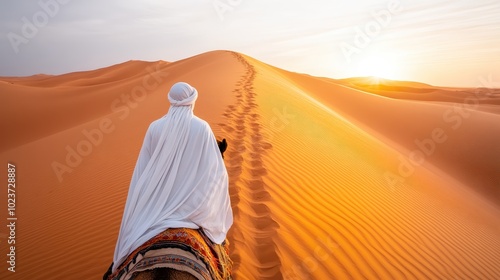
[(329, 179)]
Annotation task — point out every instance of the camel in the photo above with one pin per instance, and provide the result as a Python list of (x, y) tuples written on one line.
[(222, 146), (162, 273)]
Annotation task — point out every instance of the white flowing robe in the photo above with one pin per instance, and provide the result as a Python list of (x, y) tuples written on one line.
[(179, 181)]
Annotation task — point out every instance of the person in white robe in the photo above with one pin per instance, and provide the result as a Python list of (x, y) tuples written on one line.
[(179, 181)]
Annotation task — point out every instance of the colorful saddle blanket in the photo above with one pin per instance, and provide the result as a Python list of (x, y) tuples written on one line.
[(181, 249)]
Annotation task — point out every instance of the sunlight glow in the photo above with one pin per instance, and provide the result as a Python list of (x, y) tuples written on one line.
[(379, 65)]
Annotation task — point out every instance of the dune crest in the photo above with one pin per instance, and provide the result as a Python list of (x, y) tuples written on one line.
[(308, 161)]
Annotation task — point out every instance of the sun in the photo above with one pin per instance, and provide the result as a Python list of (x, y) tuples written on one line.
[(379, 65)]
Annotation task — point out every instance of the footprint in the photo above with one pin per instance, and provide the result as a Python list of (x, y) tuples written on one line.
[(246, 157)]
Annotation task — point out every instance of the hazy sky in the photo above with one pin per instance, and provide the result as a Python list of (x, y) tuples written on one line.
[(438, 42)]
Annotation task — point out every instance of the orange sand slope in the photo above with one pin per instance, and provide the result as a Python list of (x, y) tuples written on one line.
[(326, 181)]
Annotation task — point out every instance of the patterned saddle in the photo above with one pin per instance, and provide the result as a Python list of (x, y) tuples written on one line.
[(176, 249)]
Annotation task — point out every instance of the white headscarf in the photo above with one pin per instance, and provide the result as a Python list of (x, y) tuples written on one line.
[(180, 179)]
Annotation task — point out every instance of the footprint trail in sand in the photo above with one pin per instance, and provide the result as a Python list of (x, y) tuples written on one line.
[(254, 227)]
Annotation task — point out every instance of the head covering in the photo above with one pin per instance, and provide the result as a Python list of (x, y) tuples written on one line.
[(182, 94), (179, 180)]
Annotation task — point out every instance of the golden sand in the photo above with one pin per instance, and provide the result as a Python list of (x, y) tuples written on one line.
[(326, 178)]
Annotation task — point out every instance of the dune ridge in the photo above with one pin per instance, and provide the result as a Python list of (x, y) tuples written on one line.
[(402, 122), (255, 229), (306, 161), (354, 227)]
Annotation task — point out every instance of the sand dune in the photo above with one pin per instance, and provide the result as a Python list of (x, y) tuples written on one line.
[(408, 126), (482, 96), (320, 182)]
